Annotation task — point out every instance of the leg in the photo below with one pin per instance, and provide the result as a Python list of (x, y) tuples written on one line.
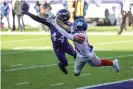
[(23, 26), (13, 15), (9, 28), (1, 26), (96, 62), (41, 27), (19, 24), (123, 24), (71, 51), (78, 66), (45, 28), (62, 61), (130, 17)]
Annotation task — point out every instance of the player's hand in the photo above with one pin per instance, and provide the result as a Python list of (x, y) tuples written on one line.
[(25, 8), (78, 38)]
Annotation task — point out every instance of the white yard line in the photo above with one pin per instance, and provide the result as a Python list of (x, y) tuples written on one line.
[(115, 42), (98, 85), (48, 33), (33, 48), (16, 65), (24, 33), (85, 74), (28, 49), (22, 40), (22, 83), (30, 67), (51, 65), (3, 53), (57, 84), (120, 56)]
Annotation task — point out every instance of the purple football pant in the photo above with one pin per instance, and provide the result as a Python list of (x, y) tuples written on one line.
[(60, 53)]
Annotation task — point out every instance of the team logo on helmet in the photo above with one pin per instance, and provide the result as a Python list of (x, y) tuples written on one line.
[(79, 25)]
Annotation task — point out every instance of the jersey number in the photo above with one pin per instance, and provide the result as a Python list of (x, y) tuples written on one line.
[(55, 38)]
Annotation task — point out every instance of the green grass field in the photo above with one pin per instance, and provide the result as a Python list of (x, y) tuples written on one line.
[(90, 29), (28, 62)]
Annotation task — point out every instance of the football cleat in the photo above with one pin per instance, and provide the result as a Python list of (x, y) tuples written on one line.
[(116, 65), (62, 68)]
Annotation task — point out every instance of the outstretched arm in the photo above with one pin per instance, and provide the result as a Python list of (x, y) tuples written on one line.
[(61, 27), (38, 19), (25, 9)]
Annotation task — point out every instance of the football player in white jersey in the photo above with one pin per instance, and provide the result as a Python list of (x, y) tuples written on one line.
[(85, 52)]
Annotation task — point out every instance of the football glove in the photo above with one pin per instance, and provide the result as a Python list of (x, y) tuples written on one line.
[(25, 8)]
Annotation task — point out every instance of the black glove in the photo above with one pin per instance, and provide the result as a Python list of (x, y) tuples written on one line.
[(25, 8)]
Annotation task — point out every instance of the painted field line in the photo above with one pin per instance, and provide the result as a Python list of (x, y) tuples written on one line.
[(29, 49), (98, 85), (85, 74), (115, 42), (24, 33), (48, 33), (51, 65), (33, 48), (30, 67), (57, 84), (38, 49), (16, 65), (22, 83), (109, 33), (22, 40), (121, 56)]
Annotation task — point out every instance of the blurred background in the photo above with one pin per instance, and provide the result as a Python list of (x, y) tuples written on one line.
[(95, 12)]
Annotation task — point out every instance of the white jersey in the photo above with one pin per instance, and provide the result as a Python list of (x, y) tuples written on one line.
[(83, 49)]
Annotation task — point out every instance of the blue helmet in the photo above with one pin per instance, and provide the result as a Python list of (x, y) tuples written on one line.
[(79, 25), (63, 15)]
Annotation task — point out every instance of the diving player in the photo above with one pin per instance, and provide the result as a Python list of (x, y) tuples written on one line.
[(85, 52), (59, 42)]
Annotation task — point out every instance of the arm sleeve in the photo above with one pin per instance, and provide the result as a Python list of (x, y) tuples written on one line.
[(39, 19), (63, 32)]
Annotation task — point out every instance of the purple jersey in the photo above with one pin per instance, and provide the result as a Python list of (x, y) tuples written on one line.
[(58, 40), (60, 43)]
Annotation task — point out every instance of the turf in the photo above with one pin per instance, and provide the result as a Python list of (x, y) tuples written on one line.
[(30, 54), (90, 29)]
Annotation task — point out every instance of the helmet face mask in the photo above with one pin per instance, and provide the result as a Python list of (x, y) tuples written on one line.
[(63, 15)]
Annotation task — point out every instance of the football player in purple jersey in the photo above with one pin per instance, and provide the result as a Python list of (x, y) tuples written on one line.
[(59, 42)]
